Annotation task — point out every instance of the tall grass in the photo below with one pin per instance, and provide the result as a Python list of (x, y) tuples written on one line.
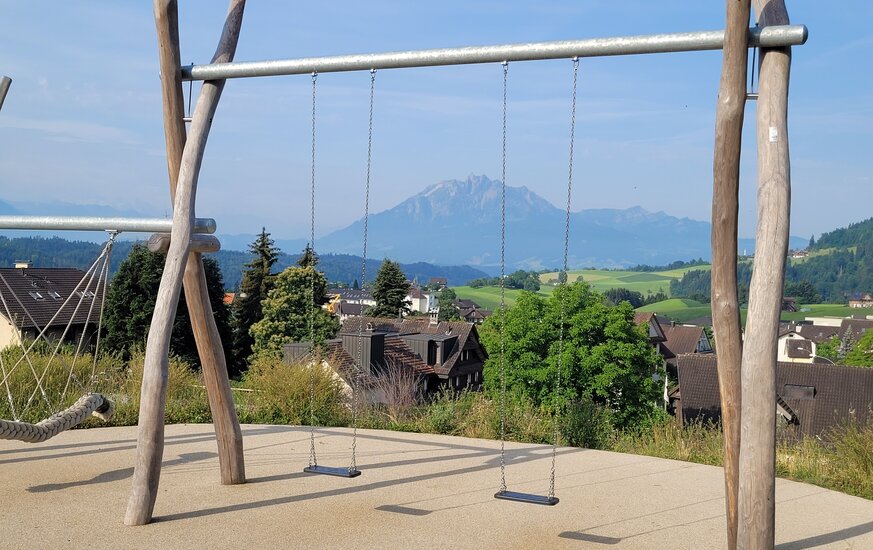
[(279, 393)]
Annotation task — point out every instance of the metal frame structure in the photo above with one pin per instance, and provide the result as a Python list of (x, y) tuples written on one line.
[(766, 37), (88, 223)]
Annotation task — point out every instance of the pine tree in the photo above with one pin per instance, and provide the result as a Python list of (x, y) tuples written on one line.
[(130, 303), (257, 281), (390, 290), (308, 258)]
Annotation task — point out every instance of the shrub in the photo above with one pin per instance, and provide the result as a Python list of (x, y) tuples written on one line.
[(281, 394)]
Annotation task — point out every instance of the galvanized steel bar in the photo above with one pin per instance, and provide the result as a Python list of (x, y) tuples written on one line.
[(5, 81), (85, 223), (767, 37)]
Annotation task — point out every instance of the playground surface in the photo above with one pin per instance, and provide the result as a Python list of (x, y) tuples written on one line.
[(416, 491)]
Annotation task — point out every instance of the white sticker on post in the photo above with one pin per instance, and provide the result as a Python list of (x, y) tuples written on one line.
[(774, 134)]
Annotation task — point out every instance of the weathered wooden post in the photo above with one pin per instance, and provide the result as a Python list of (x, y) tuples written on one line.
[(757, 487), (150, 442), (5, 82), (730, 109), (212, 359)]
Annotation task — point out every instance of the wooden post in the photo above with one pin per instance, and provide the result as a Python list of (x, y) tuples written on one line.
[(5, 82), (206, 336), (757, 488), (725, 209), (150, 441)]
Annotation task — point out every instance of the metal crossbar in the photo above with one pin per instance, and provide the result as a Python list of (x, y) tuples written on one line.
[(767, 37), (88, 223)]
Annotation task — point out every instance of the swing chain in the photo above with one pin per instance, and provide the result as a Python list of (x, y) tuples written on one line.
[(565, 268), (313, 459), (503, 290), (357, 366)]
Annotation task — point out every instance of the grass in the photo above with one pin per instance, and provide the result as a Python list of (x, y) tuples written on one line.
[(682, 310), (600, 280), (644, 282), (679, 309), (842, 461)]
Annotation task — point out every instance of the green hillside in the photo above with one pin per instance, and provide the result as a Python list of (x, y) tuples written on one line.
[(679, 309), (644, 282), (489, 296)]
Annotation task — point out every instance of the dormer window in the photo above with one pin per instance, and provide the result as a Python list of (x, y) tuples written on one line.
[(36, 295), (54, 295)]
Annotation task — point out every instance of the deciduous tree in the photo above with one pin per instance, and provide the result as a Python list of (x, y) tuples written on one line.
[(292, 312), (606, 356)]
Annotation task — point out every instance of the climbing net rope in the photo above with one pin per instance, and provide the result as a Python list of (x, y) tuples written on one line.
[(38, 373)]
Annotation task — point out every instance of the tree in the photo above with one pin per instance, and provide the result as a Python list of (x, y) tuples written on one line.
[(803, 291), (292, 312), (130, 303), (308, 258), (862, 352), (606, 356), (257, 281), (811, 242), (619, 295), (445, 301), (390, 290)]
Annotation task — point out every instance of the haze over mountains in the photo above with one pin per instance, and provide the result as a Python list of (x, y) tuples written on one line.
[(456, 222)]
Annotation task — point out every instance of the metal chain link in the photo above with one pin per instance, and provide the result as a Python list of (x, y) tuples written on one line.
[(563, 287), (503, 291), (357, 367), (313, 459)]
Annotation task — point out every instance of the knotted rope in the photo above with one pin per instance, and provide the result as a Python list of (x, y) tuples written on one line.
[(91, 403)]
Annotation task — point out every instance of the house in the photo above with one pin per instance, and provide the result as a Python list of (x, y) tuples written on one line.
[(348, 302), (445, 354), (37, 299), (792, 346), (861, 299), (437, 283), (789, 304), (811, 397), (420, 301), (683, 340), (470, 311)]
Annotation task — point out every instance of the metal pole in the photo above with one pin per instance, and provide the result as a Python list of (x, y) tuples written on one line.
[(5, 81), (77, 223), (766, 37)]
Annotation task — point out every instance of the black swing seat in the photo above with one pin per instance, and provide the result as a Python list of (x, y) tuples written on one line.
[(526, 497), (329, 471)]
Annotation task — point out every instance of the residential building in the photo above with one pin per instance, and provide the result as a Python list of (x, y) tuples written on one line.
[(445, 354), (811, 398), (46, 299), (420, 301), (861, 300), (470, 311)]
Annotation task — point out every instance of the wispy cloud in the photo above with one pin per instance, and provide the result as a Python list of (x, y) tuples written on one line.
[(71, 130)]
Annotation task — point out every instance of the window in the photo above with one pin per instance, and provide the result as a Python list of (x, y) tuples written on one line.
[(54, 295), (36, 295), (86, 294)]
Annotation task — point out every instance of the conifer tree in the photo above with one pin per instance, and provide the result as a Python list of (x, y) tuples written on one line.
[(390, 290), (257, 281)]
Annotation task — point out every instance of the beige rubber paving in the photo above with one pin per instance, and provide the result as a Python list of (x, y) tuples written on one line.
[(416, 491)]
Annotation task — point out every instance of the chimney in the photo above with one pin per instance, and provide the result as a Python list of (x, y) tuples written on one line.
[(369, 348), (22, 264)]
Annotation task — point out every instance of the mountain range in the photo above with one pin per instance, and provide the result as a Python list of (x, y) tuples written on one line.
[(457, 222)]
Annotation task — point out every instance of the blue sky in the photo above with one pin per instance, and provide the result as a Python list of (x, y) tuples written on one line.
[(82, 122)]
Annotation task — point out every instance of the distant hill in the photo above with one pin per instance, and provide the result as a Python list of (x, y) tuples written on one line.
[(458, 222), (343, 268), (840, 265), (852, 235)]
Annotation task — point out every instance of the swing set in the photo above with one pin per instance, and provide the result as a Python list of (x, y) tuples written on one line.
[(773, 35)]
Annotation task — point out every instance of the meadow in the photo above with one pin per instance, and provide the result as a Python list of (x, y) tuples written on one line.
[(601, 280)]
